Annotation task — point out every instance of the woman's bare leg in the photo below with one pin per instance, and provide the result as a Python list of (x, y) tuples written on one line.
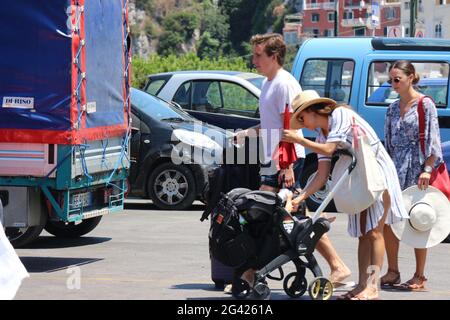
[(392, 246), (371, 254), (421, 257), (339, 270)]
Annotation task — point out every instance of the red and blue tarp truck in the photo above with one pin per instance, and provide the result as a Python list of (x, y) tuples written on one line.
[(64, 114)]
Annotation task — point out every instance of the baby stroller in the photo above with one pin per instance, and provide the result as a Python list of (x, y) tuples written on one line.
[(251, 229)]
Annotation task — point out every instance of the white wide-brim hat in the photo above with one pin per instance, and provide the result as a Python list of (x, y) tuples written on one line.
[(429, 222)]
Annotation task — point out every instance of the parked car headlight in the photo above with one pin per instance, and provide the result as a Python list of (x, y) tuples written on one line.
[(196, 139)]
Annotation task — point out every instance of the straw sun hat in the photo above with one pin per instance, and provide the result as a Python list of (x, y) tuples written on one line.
[(303, 101), (429, 218)]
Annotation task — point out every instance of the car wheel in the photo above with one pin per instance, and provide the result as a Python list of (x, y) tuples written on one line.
[(315, 200), (172, 187)]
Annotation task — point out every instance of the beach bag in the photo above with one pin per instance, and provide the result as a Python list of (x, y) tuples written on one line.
[(366, 182), (439, 177)]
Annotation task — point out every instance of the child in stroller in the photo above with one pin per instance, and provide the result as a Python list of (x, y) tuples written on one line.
[(251, 229)]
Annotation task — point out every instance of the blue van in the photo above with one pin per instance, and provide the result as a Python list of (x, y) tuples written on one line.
[(355, 71)]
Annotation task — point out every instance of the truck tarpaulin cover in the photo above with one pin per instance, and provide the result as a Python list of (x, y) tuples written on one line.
[(63, 70)]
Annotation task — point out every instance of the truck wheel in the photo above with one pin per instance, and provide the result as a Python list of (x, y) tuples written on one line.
[(315, 200), (172, 187), (71, 230), (20, 237)]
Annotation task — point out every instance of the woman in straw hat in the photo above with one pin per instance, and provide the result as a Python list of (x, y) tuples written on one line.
[(401, 138), (334, 126)]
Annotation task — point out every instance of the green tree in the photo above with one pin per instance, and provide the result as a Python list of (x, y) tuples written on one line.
[(216, 23), (208, 46), (215, 33), (179, 28), (240, 14), (170, 43), (146, 5)]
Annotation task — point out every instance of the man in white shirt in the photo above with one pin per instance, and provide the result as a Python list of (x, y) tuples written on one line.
[(279, 89)]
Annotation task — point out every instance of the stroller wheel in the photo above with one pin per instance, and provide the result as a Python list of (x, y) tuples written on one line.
[(295, 287), (320, 289), (240, 289), (261, 291)]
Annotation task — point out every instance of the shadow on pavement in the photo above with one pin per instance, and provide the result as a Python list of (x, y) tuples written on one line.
[(52, 264), (201, 286), (49, 242), (274, 295), (151, 206), (195, 286)]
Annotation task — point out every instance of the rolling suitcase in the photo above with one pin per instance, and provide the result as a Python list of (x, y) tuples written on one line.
[(221, 274), (222, 180)]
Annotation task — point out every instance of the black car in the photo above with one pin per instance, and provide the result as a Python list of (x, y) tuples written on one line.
[(171, 152)]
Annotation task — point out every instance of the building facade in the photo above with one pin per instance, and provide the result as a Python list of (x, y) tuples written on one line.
[(355, 17), (433, 18)]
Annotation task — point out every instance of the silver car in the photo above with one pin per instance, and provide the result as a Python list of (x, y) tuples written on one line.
[(227, 99)]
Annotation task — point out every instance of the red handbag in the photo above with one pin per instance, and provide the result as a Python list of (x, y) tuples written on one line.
[(439, 177)]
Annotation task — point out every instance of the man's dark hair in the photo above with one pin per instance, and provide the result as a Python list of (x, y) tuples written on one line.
[(273, 45)]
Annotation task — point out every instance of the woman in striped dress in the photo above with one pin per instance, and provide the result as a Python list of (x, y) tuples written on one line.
[(334, 126)]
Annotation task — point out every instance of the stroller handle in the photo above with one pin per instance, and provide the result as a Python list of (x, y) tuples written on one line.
[(349, 153)]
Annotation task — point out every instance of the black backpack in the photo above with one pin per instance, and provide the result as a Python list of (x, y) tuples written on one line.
[(244, 228)]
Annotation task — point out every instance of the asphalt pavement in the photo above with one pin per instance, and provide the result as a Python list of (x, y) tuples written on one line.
[(146, 253)]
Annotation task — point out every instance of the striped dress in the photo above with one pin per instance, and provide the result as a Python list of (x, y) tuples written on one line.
[(340, 130)]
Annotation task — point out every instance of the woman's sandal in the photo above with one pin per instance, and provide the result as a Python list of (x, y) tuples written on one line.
[(416, 283), (389, 284)]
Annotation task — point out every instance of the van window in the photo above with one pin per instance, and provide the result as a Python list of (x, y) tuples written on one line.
[(433, 82), (330, 78)]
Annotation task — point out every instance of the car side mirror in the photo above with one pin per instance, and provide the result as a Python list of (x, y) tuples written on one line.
[(134, 130), (175, 104)]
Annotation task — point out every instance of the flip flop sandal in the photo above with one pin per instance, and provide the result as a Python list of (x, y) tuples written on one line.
[(393, 283), (411, 286)]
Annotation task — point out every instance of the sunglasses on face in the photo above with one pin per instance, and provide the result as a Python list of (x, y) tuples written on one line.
[(396, 80)]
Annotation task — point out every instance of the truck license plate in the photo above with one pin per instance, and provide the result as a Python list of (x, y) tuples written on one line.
[(81, 200)]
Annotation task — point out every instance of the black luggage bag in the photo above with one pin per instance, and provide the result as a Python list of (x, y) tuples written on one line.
[(222, 180)]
